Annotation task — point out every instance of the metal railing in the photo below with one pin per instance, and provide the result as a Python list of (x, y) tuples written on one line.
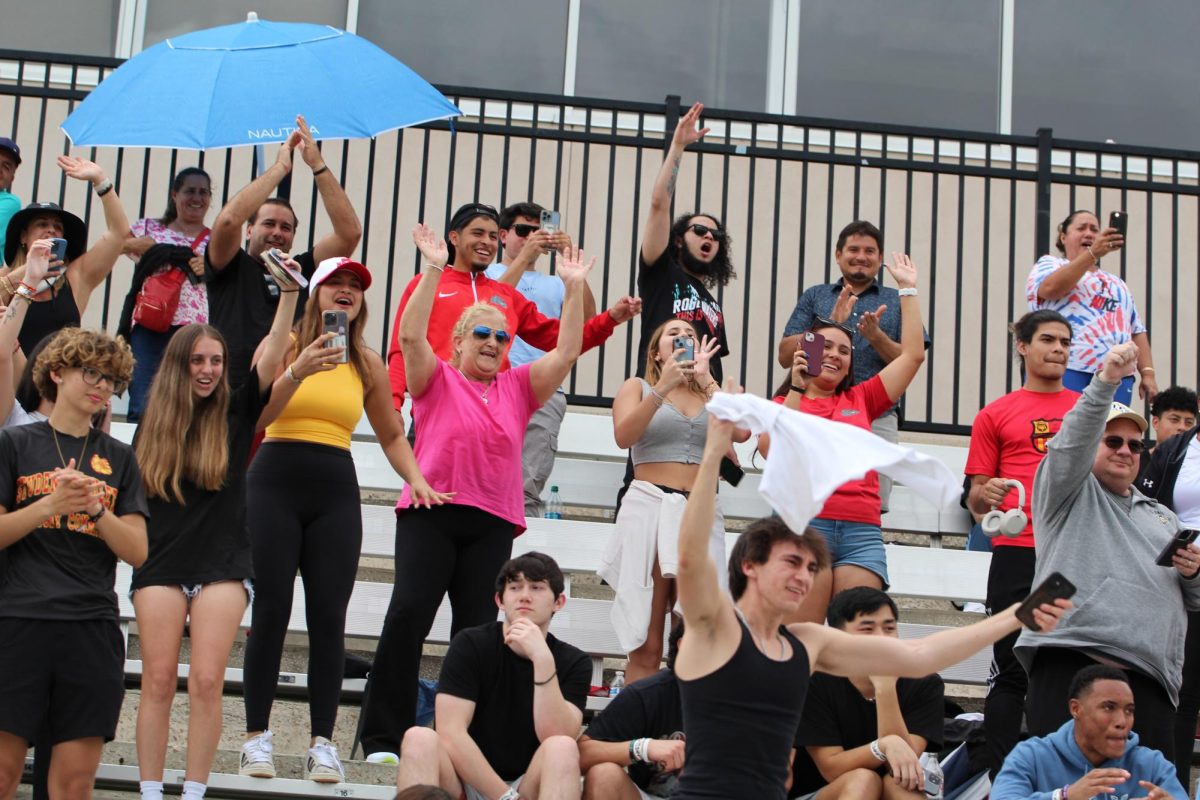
[(975, 210)]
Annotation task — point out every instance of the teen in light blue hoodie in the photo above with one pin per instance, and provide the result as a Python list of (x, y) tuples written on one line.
[(1094, 754)]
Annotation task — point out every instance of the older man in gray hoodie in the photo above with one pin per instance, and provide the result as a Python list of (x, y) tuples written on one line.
[(1104, 536)]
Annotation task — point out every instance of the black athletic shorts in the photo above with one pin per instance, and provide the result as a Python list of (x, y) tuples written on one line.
[(69, 673)]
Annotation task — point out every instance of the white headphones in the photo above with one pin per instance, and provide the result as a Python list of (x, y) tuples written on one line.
[(1011, 522)]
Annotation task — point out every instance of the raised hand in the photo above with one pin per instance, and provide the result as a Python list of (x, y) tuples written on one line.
[(1118, 361), (674, 373), (37, 262), (625, 309), (317, 357), (844, 306), (572, 269), (800, 374), (433, 247), (709, 347), (688, 130), (81, 169), (1109, 240), (284, 156), (868, 323), (902, 269), (308, 148)]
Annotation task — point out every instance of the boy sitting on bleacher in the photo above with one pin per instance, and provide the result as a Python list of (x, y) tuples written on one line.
[(510, 700), (854, 731)]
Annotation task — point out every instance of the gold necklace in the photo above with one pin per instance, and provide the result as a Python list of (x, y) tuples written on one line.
[(79, 463), (487, 388)]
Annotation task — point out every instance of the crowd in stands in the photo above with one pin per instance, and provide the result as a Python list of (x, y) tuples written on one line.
[(785, 676)]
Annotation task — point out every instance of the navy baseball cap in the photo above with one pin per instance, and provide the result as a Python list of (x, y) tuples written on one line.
[(11, 146)]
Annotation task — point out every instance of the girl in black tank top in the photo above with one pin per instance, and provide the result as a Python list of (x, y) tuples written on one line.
[(741, 722)]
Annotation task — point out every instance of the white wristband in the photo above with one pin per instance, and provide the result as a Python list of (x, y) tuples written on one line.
[(875, 751), (911, 291)]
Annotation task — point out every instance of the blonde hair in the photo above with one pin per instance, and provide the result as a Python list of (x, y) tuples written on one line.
[(310, 326), (182, 436), (78, 347), (466, 322), (654, 368)]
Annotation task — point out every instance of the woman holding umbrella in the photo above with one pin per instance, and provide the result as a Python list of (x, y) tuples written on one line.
[(60, 300)]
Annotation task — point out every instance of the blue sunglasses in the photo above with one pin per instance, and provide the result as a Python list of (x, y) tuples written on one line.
[(482, 332)]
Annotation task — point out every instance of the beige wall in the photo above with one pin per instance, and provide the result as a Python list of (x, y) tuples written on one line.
[(962, 349)]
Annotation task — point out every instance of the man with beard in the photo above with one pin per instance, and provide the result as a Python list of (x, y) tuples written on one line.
[(682, 262), (472, 238), (871, 309)]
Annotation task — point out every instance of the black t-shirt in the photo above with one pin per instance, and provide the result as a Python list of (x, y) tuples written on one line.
[(63, 570), (837, 715), (668, 292), (649, 708), (49, 316), (204, 539), (242, 299), (479, 667)]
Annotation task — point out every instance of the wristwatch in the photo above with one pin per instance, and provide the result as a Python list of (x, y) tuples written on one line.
[(96, 517)]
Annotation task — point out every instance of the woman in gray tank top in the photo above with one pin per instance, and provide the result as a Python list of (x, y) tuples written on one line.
[(663, 422)]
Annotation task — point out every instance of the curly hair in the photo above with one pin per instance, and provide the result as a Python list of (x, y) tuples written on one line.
[(720, 271), (79, 347)]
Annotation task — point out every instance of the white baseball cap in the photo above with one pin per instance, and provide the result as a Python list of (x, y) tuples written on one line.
[(332, 265)]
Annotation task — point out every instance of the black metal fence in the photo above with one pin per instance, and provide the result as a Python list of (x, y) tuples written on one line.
[(975, 210)]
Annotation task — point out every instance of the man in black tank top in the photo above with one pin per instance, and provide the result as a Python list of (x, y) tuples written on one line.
[(743, 676)]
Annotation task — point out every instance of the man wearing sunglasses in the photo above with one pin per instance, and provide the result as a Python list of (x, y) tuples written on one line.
[(1105, 536), (524, 242), (472, 237), (868, 307)]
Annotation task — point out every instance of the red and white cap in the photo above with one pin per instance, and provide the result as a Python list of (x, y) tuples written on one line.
[(332, 265)]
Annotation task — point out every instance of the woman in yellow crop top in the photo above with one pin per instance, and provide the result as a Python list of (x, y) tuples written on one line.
[(303, 508)]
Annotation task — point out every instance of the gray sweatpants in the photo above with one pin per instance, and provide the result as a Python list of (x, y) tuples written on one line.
[(541, 445), (886, 427)]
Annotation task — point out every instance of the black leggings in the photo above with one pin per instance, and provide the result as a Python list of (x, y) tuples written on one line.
[(1049, 684), (1189, 701), (1010, 579), (302, 508), (452, 548)]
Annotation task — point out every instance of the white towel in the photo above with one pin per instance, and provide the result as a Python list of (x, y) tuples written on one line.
[(812, 456)]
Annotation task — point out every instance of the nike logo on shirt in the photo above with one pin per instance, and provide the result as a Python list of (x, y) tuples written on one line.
[(446, 294)]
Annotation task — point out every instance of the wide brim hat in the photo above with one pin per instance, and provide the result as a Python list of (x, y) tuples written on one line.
[(74, 230)]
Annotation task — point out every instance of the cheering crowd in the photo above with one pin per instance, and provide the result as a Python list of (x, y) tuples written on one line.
[(248, 373)]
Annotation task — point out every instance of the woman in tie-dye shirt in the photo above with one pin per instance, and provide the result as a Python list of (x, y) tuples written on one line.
[(1098, 304)]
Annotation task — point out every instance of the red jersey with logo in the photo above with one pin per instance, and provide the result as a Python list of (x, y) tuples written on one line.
[(854, 501), (1008, 440)]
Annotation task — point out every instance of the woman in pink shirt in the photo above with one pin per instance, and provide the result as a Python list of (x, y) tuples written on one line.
[(850, 519), (470, 419)]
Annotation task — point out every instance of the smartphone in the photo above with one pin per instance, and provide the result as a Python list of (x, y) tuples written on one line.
[(730, 471), (335, 322), (283, 274), (1182, 539), (813, 345), (688, 345), (549, 221), (1054, 587), (58, 252), (1120, 221)]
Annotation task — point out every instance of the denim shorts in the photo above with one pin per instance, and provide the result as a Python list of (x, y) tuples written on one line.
[(855, 544), (191, 590)]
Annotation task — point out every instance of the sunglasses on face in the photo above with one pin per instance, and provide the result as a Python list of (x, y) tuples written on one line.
[(1114, 443), (92, 377), (700, 230), (482, 332), (524, 230)]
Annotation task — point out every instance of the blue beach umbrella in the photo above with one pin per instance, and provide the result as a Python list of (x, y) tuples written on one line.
[(244, 84)]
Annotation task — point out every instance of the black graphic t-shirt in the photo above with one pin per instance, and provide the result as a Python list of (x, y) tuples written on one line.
[(242, 298), (204, 539), (668, 292), (63, 570)]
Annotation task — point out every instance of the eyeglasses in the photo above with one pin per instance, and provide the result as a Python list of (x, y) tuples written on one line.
[(524, 230), (92, 377), (482, 332), (1114, 443), (700, 230)]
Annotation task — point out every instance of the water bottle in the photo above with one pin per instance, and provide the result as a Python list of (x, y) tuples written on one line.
[(554, 506), (618, 683), (934, 778)]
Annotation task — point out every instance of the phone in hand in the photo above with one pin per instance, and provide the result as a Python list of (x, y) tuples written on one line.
[(335, 322), (730, 471), (58, 252), (813, 345), (688, 345), (1182, 539), (1120, 221), (283, 274), (1053, 588), (549, 221)]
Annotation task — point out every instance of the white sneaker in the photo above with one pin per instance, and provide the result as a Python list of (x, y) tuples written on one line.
[(323, 765), (256, 759), (383, 757)]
